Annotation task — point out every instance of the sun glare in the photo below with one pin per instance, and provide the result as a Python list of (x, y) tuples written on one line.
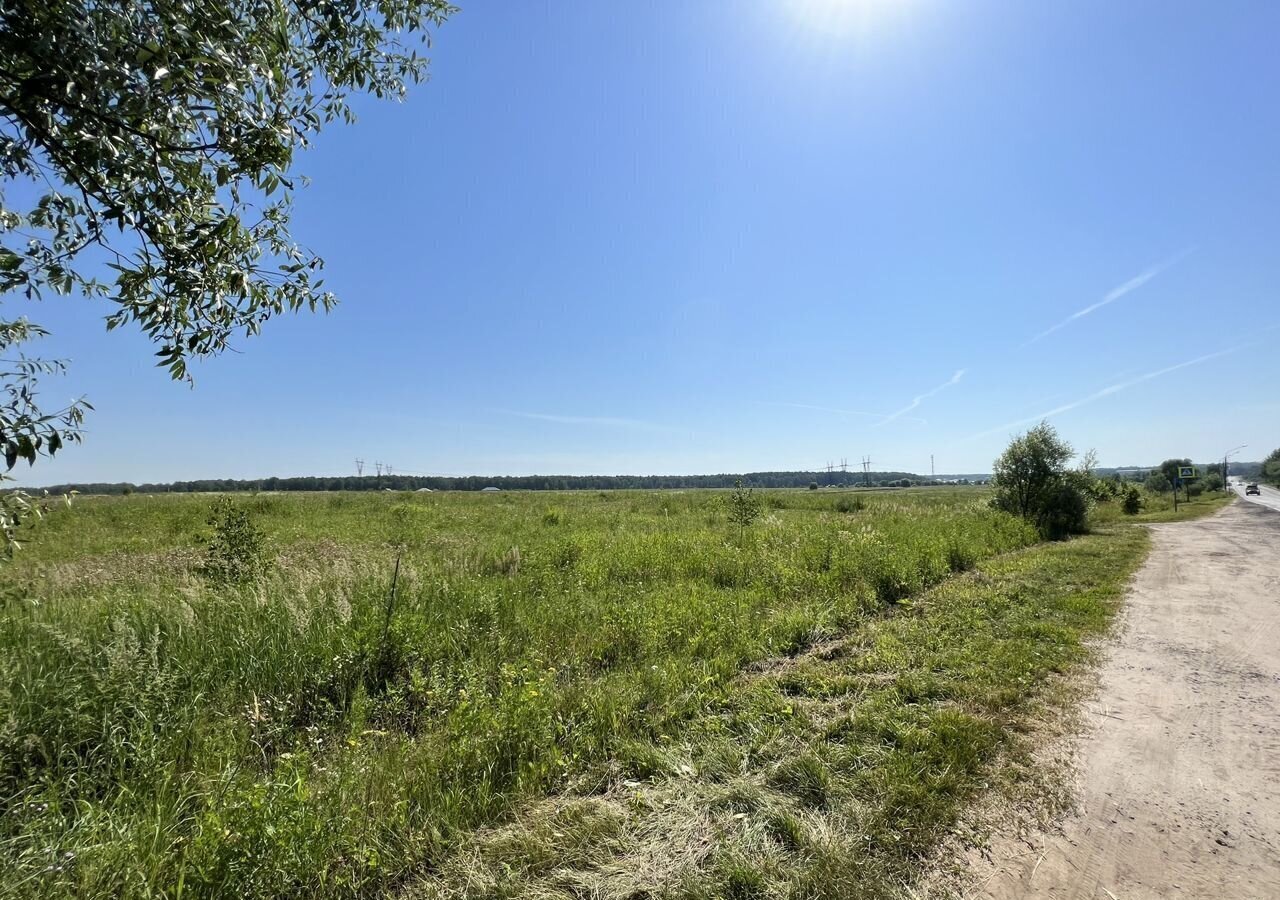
[(839, 17)]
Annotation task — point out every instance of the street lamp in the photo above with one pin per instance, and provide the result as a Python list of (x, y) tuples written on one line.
[(1224, 463)]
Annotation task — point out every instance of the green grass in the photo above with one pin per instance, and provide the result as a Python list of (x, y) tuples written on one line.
[(834, 774), (164, 736), (1159, 508)]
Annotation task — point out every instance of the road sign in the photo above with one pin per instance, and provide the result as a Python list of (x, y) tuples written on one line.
[(1186, 472)]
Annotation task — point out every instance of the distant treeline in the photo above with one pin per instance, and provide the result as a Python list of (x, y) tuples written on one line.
[(1139, 473), (398, 482)]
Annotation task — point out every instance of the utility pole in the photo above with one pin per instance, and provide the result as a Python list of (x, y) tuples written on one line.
[(933, 476), (1225, 457)]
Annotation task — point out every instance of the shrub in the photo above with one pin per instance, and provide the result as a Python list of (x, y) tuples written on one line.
[(1066, 508), (1132, 502), (1158, 483), (1100, 490), (744, 505), (237, 551), (813, 485), (850, 504), (1031, 480)]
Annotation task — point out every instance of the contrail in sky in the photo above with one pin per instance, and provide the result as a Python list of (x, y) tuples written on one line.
[(920, 398), (1113, 295), (1112, 389)]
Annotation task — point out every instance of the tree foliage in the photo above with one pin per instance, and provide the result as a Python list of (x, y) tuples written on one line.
[(744, 505), (155, 140), (1032, 479), (1169, 468), (1271, 467)]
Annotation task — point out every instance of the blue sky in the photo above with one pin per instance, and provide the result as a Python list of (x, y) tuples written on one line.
[(715, 236)]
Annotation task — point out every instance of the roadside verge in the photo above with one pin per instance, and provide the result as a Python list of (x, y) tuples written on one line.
[(836, 773)]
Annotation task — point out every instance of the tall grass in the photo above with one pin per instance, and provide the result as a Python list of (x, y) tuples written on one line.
[(162, 735)]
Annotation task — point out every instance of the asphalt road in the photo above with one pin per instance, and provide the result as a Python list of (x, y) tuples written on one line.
[(1270, 497)]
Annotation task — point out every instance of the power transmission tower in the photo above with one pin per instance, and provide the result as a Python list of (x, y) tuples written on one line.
[(844, 464), (866, 471), (379, 466), (932, 473), (359, 467)]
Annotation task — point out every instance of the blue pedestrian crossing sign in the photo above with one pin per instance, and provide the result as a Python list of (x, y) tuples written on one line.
[(1186, 471)]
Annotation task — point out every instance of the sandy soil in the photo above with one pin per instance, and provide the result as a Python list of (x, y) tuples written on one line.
[(1179, 775)]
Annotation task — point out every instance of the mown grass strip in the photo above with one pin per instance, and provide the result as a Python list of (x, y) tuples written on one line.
[(831, 775)]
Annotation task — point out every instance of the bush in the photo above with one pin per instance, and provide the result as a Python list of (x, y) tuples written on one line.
[(850, 504), (744, 505), (1158, 483), (1132, 503), (1031, 480), (1066, 508), (813, 485), (1101, 490), (236, 552), (1212, 482)]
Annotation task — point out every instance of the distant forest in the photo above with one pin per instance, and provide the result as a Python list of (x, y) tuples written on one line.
[(399, 482)]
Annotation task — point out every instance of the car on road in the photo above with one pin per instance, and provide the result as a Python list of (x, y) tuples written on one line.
[(1252, 489)]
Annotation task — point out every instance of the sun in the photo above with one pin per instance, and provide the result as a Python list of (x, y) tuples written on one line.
[(844, 16)]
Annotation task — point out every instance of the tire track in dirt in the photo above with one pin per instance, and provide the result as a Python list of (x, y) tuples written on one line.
[(1179, 778)]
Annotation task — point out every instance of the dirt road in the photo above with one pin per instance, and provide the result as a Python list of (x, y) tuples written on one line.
[(1179, 792)]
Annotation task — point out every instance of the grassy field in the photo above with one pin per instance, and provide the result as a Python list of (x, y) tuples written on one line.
[(827, 683), (1159, 508)]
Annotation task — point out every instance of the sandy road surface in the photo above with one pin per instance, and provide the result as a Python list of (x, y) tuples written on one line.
[(1179, 792)]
